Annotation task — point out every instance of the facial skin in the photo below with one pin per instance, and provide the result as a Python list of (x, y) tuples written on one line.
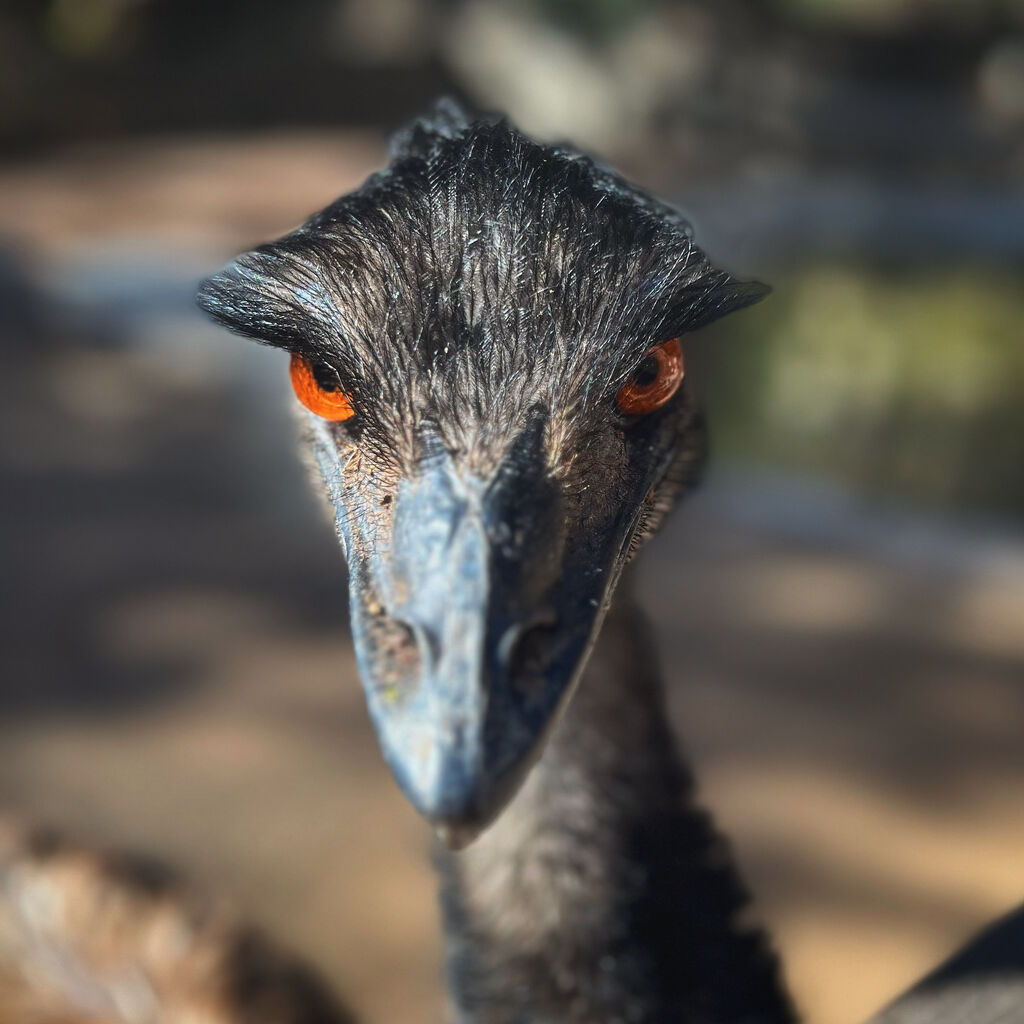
[(482, 304)]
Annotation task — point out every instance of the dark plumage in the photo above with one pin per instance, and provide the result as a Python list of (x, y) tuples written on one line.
[(477, 276), (605, 892)]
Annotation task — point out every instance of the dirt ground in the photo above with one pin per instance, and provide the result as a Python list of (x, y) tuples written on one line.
[(176, 675)]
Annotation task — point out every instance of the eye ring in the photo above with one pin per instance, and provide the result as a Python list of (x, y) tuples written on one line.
[(638, 397), (328, 403)]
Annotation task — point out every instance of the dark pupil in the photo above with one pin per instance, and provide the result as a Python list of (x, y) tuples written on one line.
[(325, 377), (646, 373)]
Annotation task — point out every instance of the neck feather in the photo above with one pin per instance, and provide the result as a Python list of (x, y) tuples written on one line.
[(603, 893)]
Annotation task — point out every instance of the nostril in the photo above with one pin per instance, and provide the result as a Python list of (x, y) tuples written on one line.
[(397, 655), (522, 647), (420, 636)]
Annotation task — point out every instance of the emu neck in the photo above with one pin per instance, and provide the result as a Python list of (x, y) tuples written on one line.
[(603, 893)]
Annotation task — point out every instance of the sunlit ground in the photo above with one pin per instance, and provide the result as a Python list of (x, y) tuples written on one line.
[(176, 674)]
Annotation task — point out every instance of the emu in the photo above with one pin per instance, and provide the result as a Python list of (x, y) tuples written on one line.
[(489, 340), (486, 335)]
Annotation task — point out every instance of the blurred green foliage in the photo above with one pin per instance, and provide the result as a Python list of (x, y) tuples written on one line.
[(897, 380)]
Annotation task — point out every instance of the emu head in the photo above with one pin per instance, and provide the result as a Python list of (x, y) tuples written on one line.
[(488, 327)]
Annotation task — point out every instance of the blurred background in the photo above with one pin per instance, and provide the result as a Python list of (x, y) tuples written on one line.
[(841, 608)]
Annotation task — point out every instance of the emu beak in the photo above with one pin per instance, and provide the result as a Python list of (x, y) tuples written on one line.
[(469, 603), (471, 626)]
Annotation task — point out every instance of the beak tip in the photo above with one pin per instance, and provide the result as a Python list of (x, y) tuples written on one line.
[(446, 787)]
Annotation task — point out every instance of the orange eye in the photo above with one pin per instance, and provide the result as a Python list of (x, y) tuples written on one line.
[(655, 380), (331, 404)]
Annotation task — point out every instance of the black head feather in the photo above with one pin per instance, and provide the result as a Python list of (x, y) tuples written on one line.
[(478, 272)]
